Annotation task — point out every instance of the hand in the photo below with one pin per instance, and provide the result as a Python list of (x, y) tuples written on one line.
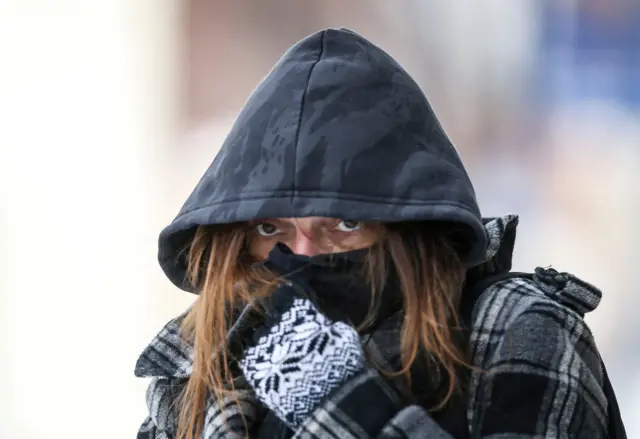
[(300, 356)]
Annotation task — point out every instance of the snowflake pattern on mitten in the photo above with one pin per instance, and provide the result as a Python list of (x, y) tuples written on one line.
[(300, 360)]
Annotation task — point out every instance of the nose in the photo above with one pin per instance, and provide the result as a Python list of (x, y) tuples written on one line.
[(304, 245)]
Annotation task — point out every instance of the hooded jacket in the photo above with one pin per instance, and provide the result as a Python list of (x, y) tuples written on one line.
[(339, 129)]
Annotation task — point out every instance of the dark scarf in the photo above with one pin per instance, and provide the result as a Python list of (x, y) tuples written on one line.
[(341, 291), (338, 284)]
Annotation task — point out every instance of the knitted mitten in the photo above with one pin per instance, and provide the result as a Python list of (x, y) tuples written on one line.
[(300, 356)]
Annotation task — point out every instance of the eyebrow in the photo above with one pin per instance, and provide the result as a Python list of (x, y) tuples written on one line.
[(275, 221)]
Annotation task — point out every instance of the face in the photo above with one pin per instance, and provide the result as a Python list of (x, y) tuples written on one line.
[(311, 236)]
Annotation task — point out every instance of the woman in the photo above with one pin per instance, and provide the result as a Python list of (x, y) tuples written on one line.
[(336, 247)]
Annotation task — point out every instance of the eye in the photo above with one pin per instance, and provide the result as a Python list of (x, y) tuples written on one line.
[(348, 226), (267, 229)]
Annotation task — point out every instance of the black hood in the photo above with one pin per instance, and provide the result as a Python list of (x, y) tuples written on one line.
[(336, 129)]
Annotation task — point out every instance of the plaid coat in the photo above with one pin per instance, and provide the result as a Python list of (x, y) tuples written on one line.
[(538, 370)]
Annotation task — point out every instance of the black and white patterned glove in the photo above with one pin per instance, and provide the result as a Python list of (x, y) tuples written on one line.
[(299, 357)]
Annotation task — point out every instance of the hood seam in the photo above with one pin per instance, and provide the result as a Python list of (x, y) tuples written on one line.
[(303, 100), (332, 195)]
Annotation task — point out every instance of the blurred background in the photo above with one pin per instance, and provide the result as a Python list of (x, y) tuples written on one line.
[(111, 110)]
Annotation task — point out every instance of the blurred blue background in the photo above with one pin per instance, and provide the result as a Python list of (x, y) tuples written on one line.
[(110, 112)]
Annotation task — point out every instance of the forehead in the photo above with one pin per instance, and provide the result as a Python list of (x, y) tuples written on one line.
[(305, 222)]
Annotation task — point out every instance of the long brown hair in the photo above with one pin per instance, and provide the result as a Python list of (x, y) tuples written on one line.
[(428, 266)]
